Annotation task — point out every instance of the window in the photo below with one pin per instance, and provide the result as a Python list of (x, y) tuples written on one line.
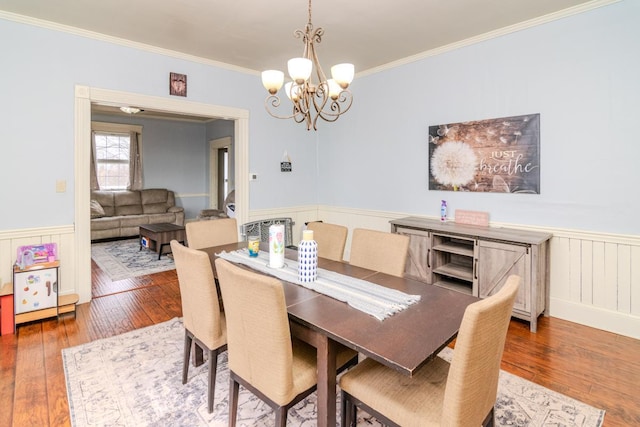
[(112, 160), (113, 152)]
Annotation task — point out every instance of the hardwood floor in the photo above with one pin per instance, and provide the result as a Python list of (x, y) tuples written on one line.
[(596, 367)]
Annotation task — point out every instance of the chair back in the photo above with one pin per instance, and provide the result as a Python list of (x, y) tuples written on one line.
[(331, 239), (204, 234), (258, 336), (472, 383), (200, 305), (379, 251)]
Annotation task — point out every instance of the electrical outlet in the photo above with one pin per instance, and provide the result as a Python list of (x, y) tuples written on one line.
[(61, 186)]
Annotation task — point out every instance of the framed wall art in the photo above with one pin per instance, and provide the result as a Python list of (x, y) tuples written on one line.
[(497, 155), (177, 84)]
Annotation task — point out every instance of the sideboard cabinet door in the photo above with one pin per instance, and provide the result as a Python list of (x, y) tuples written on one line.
[(418, 265), (498, 261)]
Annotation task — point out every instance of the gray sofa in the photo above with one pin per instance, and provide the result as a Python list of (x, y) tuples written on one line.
[(120, 213)]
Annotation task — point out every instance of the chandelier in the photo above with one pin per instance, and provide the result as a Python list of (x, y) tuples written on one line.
[(313, 97)]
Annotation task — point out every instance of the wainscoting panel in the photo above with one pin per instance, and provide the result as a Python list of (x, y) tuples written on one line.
[(10, 240)]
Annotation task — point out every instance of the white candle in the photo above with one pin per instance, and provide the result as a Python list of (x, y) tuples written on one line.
[(276, 246)]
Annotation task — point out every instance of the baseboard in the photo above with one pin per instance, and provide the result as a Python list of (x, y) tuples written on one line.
[(607, 320)]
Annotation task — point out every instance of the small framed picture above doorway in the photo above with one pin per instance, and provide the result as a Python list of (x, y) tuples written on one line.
[(177, 84)]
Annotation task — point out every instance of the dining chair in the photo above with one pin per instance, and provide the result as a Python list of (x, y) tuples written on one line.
[(331, 239), (263, 357), (460, 394), (204, 234), (204, 322), (379, 251)]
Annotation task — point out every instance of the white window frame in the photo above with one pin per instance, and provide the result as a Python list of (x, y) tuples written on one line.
[(118, 129)]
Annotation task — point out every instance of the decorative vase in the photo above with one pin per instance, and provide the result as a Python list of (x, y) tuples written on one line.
[(307, 258)]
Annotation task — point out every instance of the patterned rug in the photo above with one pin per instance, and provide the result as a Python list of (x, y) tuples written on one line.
[(123, 259), (135, 379)]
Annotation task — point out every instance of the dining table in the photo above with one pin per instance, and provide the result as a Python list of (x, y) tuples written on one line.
[(405, 341)]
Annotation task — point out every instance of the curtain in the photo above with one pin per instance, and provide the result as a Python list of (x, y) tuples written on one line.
[(135, 162), (93, 175)]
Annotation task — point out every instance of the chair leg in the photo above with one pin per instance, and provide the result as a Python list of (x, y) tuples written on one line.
[(489, 420), (187, 354), (349, 414), (281, 416), (234, 388), (343, 410), (213, 366)]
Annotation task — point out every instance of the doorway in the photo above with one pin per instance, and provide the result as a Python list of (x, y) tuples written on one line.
[(84, 97), (221, 171)]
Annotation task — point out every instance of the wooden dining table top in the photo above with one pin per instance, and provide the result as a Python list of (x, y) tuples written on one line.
[(405, 341)]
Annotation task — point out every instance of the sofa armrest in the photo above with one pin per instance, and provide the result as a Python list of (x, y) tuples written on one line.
[(175, 209)]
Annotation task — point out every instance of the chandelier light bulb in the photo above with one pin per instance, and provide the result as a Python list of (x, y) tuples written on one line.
[(272, 80), (343, 74), (300, 69), (334, 89), (293, 91)]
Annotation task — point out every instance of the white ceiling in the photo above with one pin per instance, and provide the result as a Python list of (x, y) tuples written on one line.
[(258, 34)]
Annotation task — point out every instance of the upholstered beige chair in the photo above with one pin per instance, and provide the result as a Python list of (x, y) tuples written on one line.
[(263, 357), (379, 251), (203, 321), (204, 234), (460, 394), (331, 239)]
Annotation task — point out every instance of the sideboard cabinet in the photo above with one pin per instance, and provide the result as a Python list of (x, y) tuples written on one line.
[(478, 260)]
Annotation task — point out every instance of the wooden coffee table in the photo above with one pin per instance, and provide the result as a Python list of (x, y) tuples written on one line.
[(160, 235)]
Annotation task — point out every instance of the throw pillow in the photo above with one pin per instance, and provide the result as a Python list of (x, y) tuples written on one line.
[(96, 209)]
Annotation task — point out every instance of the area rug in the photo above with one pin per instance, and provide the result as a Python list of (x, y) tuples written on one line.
[(135, 379), (123, 259)]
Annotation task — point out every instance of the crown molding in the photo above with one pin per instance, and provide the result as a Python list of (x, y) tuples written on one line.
[(433, 52), (119, 41), (492, 35)]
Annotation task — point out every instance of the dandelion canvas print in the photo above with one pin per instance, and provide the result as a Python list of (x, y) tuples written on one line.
[(497, 155)]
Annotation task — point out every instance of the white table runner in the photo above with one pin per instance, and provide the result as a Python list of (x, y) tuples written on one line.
[(373, 299)]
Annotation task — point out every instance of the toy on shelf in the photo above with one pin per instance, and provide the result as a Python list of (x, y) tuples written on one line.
[(36, 254)]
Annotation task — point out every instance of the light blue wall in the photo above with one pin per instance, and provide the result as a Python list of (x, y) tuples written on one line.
[(40, 70), (582, 74)]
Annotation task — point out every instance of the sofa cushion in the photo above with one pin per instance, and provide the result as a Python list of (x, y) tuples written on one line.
[(127, 203), (105, 223), (166, 217), (106, 200), (96, 209), (133, 220), (154, 200)]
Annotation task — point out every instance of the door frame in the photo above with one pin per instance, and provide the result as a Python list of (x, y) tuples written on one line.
[(214, 146), (84, 97)]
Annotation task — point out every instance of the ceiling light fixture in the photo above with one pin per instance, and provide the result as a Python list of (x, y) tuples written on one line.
[(311, 98), (130, 110)]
